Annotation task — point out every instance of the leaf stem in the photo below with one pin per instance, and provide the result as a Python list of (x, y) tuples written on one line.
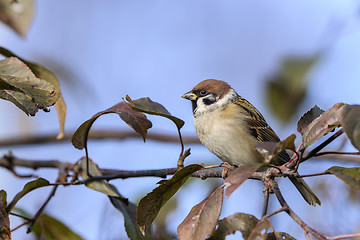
[(313, 152)]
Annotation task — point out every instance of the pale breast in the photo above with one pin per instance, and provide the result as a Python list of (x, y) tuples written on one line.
[(227, 137)]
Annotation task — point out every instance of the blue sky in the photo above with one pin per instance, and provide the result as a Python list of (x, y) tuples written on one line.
[(102, 51)]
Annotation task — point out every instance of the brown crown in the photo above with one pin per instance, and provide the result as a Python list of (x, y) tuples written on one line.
[(213, 86)]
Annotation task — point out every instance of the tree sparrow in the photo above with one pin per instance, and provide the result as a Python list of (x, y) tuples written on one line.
[(230, 127)]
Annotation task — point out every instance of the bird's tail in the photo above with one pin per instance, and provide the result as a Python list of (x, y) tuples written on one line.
[(305, 191)]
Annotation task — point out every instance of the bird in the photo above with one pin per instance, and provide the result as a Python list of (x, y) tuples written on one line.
[(231, 127)]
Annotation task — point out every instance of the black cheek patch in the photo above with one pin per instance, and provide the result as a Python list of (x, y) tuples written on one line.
[(208, 101), (194, 105)]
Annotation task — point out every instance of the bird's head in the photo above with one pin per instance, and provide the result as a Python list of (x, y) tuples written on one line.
[(210, 95)]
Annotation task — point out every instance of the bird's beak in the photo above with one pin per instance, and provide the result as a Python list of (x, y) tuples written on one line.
[(189, 96)]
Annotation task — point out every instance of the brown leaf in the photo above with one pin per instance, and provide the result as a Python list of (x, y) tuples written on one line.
[(242, 222), (322, 125), (203, 217), (239, 175), (350, 176), (5, 233), (134, 119), (260, 230), (19, 85), (307, 118), (146, 105), (17, 14), (351, 124), (279, 236), (150, 205), (270, 150), (45, 74)]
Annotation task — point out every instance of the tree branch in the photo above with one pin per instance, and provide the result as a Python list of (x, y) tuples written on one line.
[(96, 135), (288, 210)]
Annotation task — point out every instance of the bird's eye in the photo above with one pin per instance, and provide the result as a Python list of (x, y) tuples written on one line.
[(203, 92)]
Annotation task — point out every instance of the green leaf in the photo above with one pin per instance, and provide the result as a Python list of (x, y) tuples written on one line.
[(350, 176), (307, 118), (45, 74), (17, 15), (38, 183), (98, 185), (129, 212), (242, 222), (286, 89), (150, 205), (48, 227), (146, 105), (239, 175), (5, 233), (260, 230), (322, 125), (203, 217), (20, 86), (134, 119), (351, 124)]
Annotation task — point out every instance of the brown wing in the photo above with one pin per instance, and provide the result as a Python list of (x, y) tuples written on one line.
[(259, 128)]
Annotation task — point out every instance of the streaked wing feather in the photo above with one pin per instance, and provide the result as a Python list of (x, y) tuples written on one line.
[(259, 128)]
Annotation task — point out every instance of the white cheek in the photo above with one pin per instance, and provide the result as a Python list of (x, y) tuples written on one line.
[(217, 105)]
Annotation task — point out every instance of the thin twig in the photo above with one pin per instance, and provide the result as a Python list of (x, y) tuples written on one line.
[(16, 228), (313, 175), (336, 153), (282, 209), (322, 145), (20, 216), (41, 210), (345, 236), (266, 201), (289, 211)]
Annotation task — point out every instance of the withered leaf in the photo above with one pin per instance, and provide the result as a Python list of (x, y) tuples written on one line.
[(350, 176), (134, 119), (307, 118), (17, 15), (322, 125), (242, 222), (20, 86), (278, 236), (5, 233), (260, 230), (100, 186), (203, 217), (150, 205), (45, 74), (32, 185), (239, 175), (350, 120), (270, 150), (146, 105)]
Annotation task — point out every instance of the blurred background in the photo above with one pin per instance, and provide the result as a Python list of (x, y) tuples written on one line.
[(283, 56)]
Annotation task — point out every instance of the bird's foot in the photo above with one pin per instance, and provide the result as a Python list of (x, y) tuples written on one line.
[(226, 168)]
